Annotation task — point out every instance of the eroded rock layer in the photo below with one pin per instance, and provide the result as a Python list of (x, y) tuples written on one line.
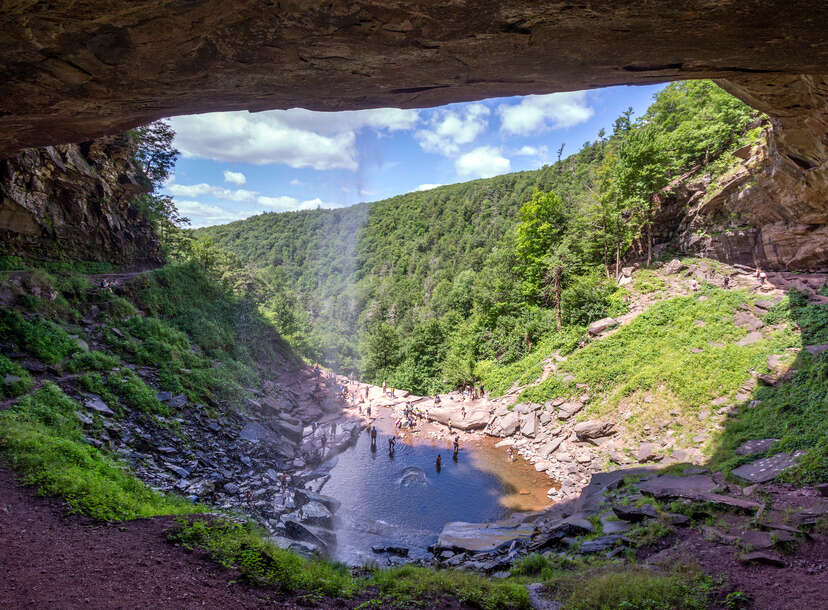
[(74, 70), (75, 201)]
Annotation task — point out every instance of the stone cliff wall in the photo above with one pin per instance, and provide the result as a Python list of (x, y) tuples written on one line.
[(73, 201), (767, 210)]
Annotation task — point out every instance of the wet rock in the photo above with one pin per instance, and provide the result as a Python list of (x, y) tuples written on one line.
[(316, 513), (95, 403), (599, 326), (756, 446), (84, 419), (297, 531), (592, 429), (767, 469), (635, 514), (459, 536), (400, 551)]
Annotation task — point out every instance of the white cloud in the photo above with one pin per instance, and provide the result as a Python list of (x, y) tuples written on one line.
[(449, 129), (203, 215), (296, 182), (482, 162), (427, 187), (219, 192), (236, 178), (297, 137), (532, 151), (541, 112)]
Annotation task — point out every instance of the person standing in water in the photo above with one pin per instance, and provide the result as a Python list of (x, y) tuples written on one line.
[(439, 463), (456, 448)]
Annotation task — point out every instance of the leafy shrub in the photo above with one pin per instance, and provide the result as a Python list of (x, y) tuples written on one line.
[(590, 297), (91, 361)]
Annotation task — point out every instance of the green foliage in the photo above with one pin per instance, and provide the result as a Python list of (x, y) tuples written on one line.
[(634, 589), (42, 339), (487, 259), (244, 546), (14, 379), (41, 439), (91, 361), (654, 351)]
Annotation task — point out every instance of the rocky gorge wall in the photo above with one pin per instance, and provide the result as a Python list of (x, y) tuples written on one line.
[(767, 210), (73, 202)]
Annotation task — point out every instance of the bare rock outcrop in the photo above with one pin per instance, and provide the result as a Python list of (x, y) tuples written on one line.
[(75, 201)]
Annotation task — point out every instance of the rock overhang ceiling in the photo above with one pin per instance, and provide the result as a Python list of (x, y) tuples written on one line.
[(71, 70)]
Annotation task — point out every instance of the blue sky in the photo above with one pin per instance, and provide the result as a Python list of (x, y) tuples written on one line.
[(237, 164)]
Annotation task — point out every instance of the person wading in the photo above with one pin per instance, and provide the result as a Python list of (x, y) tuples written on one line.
[(439, 463)]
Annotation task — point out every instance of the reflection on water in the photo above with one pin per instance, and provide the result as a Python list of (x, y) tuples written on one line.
[(402, 498)]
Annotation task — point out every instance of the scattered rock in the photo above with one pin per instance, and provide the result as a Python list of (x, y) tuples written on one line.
[(749, 339), (756, 446), (599, 326), (568, 409), (766, 557), (231, 488), (95, 403), (530, 425), (635, 514), (509, 424), (84, 419), (674, 266), (763, 304), (593, 429), (767, 469), (400, 551), (747, 320), (600, 544), (459, 536), (164, 396)]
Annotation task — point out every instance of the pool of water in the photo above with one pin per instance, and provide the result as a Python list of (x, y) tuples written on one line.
[(403, 499)]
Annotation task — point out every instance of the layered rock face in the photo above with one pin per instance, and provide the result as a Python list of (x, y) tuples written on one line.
[(73, 201), (767, 211)]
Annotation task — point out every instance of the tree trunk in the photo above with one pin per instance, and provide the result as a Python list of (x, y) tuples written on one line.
[(617, 259), (558, 296), (606, 260), (649, 242)]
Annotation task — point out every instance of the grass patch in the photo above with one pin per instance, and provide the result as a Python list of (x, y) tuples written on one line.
[(40, 437), (646, 281), (124, 388), (633, 589), (654, 351), (44, 340), (91, 361), (14, 379)]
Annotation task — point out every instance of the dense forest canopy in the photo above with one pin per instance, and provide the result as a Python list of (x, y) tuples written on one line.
[(422, 289)]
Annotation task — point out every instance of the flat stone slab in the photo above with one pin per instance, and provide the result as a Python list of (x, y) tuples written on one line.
[(666, 483), (816, 349), (749, 339), (97, 404), (756, 446), (767, 469), (476, 418), (766, 557), (460, 536)]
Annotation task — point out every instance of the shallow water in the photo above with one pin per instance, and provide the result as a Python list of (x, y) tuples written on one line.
[(404, 500)]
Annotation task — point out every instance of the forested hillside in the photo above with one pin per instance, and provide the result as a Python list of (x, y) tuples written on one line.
[(418, 289)]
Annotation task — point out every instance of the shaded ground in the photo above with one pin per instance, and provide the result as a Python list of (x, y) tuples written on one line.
[(51, 560)]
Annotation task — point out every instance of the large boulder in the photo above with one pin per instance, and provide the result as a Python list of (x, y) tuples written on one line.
[(509, 424), (599, 326), (569, 408), (529, 427), (587, 430)]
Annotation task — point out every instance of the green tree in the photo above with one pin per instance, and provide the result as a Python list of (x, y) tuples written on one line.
[(380, 351), (542, 223)]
